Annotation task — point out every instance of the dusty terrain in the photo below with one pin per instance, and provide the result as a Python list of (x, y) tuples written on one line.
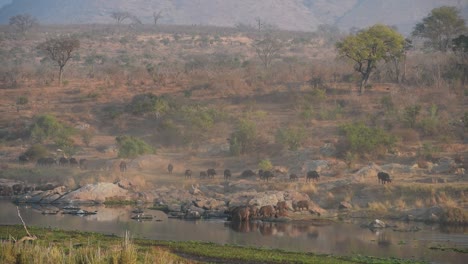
[(272, 99)]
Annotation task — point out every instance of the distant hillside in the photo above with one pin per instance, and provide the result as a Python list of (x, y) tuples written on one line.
[(287, 14)]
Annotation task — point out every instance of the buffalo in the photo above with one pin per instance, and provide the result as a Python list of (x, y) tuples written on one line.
[(293, 177), (123, 166), (312, 175), (248, 174), (83, 164), (227, 174), (299, 205), (266, 211), (63, 161), (73, 162), (211, 173), (265, 175), (23, 159), (384, 177), (203, 174), (170, 167), (240, 214), (188, 174)]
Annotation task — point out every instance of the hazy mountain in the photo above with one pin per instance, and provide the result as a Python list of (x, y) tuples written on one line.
[(286, 14)]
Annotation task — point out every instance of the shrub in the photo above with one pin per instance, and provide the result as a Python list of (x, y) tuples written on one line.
[(243, 139), (36, 151), (292, 137), (410, 115), (131, 147), (361, 139), (148, 103), (265, 165), (47, 127)]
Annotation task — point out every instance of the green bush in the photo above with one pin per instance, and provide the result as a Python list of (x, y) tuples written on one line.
[(148, 103), (360, 139), (410, 115), (131, 147), (244, 138), (265, 164), (36, 151), (47, 127), (292, 137)]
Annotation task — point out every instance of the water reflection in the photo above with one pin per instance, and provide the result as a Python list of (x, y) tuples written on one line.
[(329, 238)]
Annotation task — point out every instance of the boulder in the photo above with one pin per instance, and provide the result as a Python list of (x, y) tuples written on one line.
[(328, 150), (377, 224), (192, 215), (208, 203), (315, 165), (444, 165), (267, 198), (345, 206), (369, 171), (174, 208), (97, 193), (125, 184)]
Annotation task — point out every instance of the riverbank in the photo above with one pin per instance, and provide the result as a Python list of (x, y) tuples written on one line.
[(58, 246)]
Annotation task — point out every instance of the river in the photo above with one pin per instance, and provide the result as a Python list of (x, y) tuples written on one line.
[(331, 238)]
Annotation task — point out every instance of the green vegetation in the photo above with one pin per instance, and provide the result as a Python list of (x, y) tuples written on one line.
[(291, 137), (265, 165), (56, 246), (47, 127), (361, 139), (244, 139), (132, 147), (440, 27), (36, 151), (148, 103), (368, 47)]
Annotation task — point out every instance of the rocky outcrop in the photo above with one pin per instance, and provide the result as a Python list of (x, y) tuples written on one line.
[(444, 165), (97, 193), (315, 165)]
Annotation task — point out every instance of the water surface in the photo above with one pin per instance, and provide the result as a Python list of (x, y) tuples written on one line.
[(334, 238)]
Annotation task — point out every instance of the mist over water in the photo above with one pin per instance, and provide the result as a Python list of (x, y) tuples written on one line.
[(325, 238)]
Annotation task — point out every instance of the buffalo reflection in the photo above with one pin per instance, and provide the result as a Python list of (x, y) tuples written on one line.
[(274, 229)]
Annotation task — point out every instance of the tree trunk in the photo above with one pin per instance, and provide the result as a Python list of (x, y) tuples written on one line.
[(60, 75)]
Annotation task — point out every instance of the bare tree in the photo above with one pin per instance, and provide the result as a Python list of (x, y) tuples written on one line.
[(156, 17), (23, 22), (120, 16), (267, 48), (60, 50)]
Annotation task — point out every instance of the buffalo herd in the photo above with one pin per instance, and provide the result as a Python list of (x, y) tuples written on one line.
[(49, 162)]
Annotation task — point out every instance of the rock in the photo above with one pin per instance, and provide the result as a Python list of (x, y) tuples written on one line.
[(345, 206), (97, 193), (368, 171), (267, 198), (409, 217), (377, 224), (192, 215), (328, 150), (315, 165), (195, 191), (444, 165), (125, 184), (398, 168), (208, 204), (280, 169), (174, 208)]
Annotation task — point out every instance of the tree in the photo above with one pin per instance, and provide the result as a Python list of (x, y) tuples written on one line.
[(440, 27), (460, 48), (22, 22), (267, 48), (368, 47), (120, 16), (60, 50), (156, 17)]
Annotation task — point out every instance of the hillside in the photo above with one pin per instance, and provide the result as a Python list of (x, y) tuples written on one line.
[(303, 15)]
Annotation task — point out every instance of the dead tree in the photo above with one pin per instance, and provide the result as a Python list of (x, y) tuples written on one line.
[(60, 50)]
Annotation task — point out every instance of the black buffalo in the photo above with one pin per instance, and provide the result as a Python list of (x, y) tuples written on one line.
[(227, 174), (170, 168), (211, 173), (312, 175), (123, 166), (384, 177), (188, 174)]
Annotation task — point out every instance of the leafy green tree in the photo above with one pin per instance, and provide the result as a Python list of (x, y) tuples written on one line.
[(36, 151), (460, 48), (60, 50), (368, 47), (265, 164), (46, 127), (360, 139), (440, 27), (132, 147), (243, 139), (292, 137)]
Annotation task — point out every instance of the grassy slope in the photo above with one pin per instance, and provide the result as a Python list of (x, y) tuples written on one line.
[(82, 243)]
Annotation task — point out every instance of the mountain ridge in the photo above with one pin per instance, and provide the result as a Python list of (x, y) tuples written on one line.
[(303, 15)]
